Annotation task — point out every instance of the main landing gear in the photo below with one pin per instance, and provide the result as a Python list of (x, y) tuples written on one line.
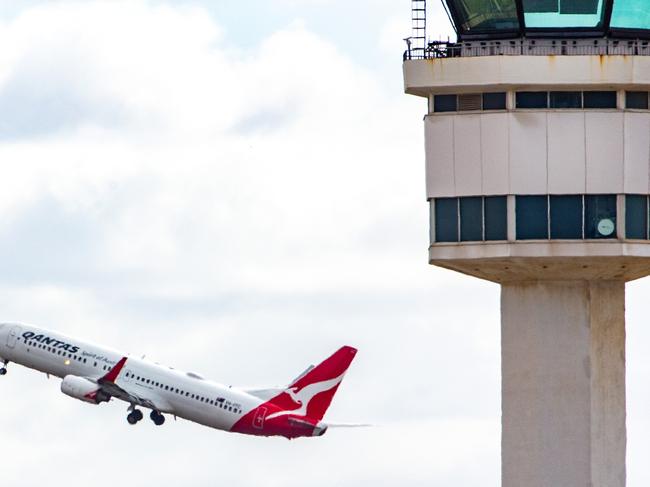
[(157, 418), (134, 416)]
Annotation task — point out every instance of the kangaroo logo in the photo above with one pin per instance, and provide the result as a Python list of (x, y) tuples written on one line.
[(304, 396)]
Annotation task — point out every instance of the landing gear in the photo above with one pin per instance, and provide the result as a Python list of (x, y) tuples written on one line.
[(134, 416), (3, 371), (157, 418), (3, 367)]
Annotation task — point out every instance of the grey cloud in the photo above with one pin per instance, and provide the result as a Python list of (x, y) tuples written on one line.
[(42, 103), (272, 119), (47, 243)]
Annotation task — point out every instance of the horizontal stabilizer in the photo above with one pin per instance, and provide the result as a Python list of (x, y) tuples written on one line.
[(264, 394), (350, 425)]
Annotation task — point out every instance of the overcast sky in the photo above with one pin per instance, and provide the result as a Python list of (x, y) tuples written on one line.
[(237, 188)]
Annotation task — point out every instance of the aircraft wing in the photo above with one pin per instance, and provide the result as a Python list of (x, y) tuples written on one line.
[(127, 394)]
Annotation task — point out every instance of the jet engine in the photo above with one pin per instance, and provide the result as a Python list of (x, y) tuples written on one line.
[(83, 389)]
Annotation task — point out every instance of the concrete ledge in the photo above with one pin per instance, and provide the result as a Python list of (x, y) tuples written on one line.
[(535, 261), (467, 74)]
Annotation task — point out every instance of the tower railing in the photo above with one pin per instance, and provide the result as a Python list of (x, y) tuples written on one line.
[(531, 47)]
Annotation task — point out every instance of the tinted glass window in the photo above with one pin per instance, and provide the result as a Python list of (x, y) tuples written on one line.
[(532, 217), (541, 6), (471, 219), (496, 218), (631, 14), (636, 99), (566, 99), (600, 216), (446, 219), (566, 217), (532, 99), (494, 101), (636, 216), (482, 16), (563, 13), (599, 99), (445, 103)]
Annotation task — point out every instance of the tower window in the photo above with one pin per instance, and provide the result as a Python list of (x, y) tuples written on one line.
[(636, 216), (636, 99), (494, 101), (600, 216), (496, 218), (471, 219), (532, 217), (566, 99), (566, 217), (532, 99), (446, 210), (599, 99), (445, 103)]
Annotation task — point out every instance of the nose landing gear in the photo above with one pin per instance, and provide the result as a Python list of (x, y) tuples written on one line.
[(3, 367)]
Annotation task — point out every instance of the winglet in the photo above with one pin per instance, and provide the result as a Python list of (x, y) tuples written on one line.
[(112, 374)]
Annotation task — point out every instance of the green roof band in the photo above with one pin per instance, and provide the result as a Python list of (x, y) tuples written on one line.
[(485, 19), (631, 14)]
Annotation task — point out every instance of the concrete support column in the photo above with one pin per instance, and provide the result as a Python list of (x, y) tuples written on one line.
[(563, 384)]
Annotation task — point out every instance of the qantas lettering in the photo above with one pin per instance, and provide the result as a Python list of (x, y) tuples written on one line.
[(45, 340)]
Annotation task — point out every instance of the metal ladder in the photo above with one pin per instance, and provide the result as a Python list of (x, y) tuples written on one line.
[(418, 41)]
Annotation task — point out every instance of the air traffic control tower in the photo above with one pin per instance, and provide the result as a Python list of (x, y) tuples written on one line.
[(537, 142)]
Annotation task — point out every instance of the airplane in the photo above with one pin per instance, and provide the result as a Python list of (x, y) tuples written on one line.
[(95, 374)]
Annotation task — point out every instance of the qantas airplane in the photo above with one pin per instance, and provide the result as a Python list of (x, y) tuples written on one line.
[(96, 374)]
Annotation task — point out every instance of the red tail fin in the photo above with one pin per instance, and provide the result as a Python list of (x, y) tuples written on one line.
[(311, 394)]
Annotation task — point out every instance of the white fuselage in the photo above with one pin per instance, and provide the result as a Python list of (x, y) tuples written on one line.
[(174, 392)]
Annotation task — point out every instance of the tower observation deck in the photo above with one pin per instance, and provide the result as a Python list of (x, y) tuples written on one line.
[(537, 143)]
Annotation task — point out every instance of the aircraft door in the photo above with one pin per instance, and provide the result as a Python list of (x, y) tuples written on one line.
[(258, 420), (12, 337), (126, 377)]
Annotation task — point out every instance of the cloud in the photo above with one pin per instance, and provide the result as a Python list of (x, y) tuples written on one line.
[(231, 211)]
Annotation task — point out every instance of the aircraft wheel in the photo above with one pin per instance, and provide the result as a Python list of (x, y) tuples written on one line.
[(138, 414), (3, 371), (157, 418), (133, 417)]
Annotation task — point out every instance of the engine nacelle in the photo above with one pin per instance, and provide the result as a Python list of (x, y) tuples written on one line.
[(83, 389)]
